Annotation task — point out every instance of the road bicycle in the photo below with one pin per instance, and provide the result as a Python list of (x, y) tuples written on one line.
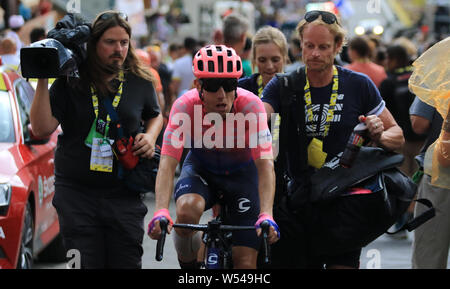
[(217, 237)]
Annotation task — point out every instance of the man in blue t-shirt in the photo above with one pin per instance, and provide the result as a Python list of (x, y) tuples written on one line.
[(336, 100)]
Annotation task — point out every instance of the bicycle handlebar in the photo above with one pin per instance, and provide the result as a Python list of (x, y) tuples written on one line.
[(204, 227), (162, 239), (163, 222)]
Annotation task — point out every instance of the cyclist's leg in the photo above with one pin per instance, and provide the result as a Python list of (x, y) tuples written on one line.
[(244, 257), (192, 196), (189, 209), (242, 200)]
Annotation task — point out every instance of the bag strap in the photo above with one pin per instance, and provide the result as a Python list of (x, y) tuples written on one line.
[(289, 95), (419, 220), (106, 101)]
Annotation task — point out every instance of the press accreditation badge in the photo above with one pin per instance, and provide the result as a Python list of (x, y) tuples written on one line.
[(101, 155)]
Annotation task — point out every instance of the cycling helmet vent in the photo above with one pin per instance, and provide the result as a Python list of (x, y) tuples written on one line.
[(220, 60), (200, 65), (217, 61), (229, 66), (210, 66)]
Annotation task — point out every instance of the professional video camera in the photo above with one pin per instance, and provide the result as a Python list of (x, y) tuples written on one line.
[(61, 53)]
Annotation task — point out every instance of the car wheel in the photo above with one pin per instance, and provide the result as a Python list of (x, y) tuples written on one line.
[(25, 260)]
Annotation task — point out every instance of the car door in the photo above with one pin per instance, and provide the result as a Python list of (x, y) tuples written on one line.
[(39, 162)]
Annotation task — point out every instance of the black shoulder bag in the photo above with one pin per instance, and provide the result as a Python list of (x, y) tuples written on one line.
[(343, 222)]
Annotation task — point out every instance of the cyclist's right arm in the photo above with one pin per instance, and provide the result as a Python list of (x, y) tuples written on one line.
[(163, 191), (42, 120)]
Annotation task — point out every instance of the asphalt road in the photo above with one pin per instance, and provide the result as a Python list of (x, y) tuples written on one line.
[(384, 253)]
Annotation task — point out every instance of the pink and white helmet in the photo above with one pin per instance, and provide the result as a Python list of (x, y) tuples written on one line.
[(217, 61)]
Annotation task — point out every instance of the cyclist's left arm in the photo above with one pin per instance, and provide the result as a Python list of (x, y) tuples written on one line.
[(266, 188)]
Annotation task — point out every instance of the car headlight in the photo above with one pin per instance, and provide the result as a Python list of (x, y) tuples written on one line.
[(359, 30), (5, 198), (378, 30)]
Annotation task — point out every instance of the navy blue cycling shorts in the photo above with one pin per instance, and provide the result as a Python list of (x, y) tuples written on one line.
[(240, 195)]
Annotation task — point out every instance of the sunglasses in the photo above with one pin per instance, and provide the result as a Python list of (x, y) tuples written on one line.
[(109, 15), (214, 84), (327, 17)]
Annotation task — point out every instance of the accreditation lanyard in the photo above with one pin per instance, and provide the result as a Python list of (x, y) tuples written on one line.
[(115, 102), (402, 70), (259, 82), (333, 99)]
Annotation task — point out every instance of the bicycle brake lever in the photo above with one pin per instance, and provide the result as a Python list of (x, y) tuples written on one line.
[(265, 226), (162, 239)]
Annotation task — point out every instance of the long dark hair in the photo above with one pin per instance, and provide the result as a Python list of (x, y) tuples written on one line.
[(94, 70)]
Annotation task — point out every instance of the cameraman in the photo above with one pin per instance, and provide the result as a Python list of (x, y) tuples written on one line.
[(98, 214)]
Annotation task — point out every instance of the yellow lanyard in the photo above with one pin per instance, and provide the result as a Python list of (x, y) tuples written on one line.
[(259, 82), (402, 70), (116, 99), (331, 107)]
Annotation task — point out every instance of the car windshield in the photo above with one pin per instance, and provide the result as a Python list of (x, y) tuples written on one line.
[(6, 120)]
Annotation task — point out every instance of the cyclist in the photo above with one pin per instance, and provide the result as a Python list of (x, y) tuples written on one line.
[(244, 172)]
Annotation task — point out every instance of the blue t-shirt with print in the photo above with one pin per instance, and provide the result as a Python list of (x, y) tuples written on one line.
[(357, 95)]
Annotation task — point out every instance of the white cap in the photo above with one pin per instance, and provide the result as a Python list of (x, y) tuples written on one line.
[(16, 21)]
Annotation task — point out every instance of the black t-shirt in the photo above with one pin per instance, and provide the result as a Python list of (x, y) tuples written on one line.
[(73, 108), (395, 92)]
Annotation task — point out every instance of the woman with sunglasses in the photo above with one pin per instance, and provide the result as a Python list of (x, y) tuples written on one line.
[(99, 215), (233, 156), (333, 100)]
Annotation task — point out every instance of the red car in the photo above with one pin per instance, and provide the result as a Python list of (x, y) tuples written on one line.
[(28, 220)]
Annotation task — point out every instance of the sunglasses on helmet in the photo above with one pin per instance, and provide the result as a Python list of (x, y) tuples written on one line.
[(327, 17), (214, 84), (108, 15)]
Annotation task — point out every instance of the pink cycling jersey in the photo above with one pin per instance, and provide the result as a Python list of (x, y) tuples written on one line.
[(243, 136)]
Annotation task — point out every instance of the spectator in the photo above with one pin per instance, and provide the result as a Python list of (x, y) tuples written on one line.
[(15, 23), (144, 57), (359, 53), (398, 98), (174, 53), (24, 10), (38, 33), (295, 55), (246, 63), (8, 51), (431, 240), (182, 75), (166, 76), (44, 7), (234, 30)]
